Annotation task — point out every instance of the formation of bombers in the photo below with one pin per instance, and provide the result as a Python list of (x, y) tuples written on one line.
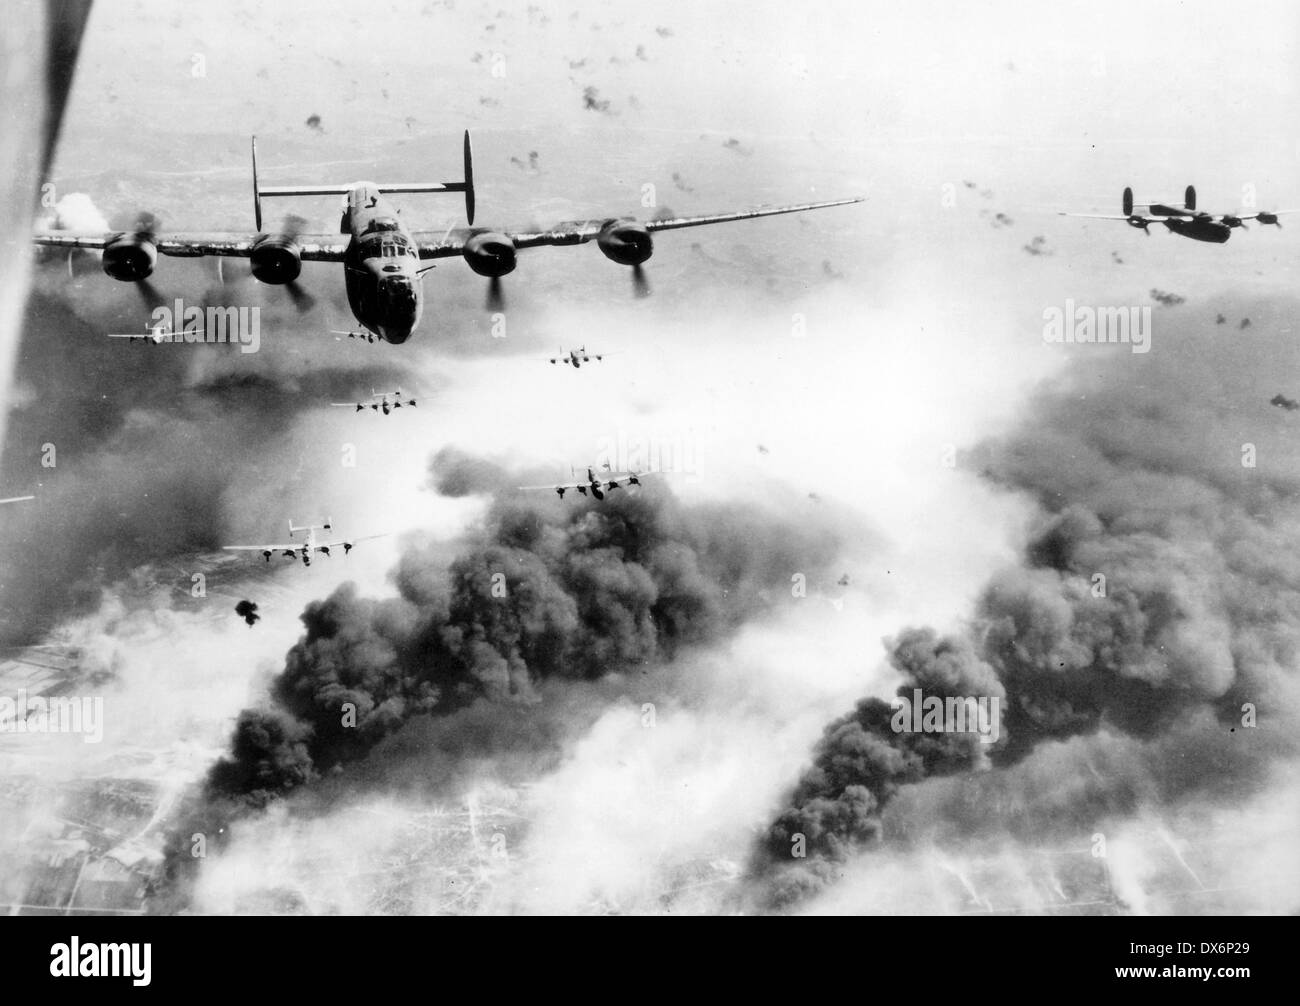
[(384, 267)]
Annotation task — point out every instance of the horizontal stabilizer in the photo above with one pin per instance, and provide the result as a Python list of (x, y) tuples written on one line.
[(343, 190), (466, 186)]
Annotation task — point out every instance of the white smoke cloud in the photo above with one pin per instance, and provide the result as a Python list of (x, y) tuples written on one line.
[(77, 212)]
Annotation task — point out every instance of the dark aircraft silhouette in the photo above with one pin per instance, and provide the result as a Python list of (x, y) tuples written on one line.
[(575, 358), (383, 261), (303, 549), (596, 486), (1184, 218), (384, 401)]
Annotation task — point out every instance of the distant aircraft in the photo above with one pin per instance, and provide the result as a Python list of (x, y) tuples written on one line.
[(596, 485), (17, 499), (366, 336), (381, 401), (1281, 401), (304, 548), (577, 357), (382, 261), (1184, 218), (157, 333)]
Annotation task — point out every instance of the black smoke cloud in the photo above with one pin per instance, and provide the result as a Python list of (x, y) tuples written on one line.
[(1155, 604), (544, 591), (145, 439), (498, 653), (860, 762), (454, 472)]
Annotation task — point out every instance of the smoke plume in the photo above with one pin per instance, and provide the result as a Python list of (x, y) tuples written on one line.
[(500, 652), (131, 447), (1151, 627), (543, 591)]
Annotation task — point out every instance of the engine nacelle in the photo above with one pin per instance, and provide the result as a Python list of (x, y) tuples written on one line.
[(626, 242), (276, 260), (490, 254), (130, 258)]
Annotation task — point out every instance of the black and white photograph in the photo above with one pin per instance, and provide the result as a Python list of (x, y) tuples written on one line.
[(724, 458)]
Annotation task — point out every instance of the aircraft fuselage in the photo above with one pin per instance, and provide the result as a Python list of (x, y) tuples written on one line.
[(1200, 229), (381, 267), (1183, 220)]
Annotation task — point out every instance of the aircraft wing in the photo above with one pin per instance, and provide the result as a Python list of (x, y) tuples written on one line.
[(1256, 215), (444, 244), (1132, 216), (346, 541), (721, 218), (315, 247), (559, 485), (294, 547), (17, 499), (603, 478)]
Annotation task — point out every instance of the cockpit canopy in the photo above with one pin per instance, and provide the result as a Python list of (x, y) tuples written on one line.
[(390, 245), (381, 224)]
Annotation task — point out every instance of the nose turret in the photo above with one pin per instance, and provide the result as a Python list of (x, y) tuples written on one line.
[(399, 306)]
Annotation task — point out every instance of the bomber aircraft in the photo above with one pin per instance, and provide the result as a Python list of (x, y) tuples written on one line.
[(384, 401), (383, 262), (156, 333), (575, 358), (1184, 218), (596, 485), (303, 549)]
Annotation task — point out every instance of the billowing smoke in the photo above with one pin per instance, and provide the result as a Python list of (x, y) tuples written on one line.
[(454, 472), (75, 212), (1151, 627), (503, 648), (133, 449), (544, 591), (861, 761)]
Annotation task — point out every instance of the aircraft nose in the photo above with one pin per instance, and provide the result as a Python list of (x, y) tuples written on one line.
[(394, 335), (400, 308)]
